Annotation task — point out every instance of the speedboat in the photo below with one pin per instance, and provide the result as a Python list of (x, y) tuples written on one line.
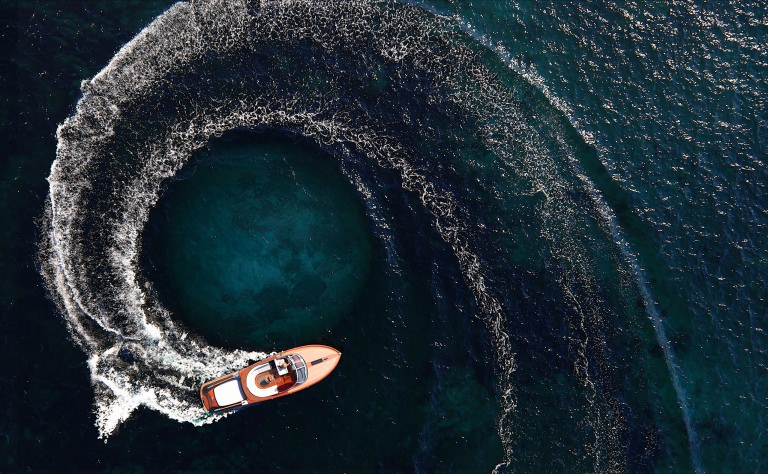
[(276, 376)]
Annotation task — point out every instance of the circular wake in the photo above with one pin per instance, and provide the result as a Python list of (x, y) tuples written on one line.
[(141, 118), (378, 85)]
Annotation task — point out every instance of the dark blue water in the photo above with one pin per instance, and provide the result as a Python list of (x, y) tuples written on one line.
[(536, 233)]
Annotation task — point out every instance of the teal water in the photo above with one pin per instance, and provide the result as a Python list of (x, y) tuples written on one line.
[(536, 233), (262, 243)]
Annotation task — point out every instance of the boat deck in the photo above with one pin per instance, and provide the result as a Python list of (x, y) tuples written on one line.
[(266, 381)]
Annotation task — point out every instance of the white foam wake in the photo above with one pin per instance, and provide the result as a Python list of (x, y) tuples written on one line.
[(98, 205), (204, 68)]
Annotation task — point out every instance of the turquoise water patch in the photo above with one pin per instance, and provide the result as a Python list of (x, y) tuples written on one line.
[(260, 242)]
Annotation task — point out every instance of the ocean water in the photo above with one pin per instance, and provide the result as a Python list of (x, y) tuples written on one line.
[(536, 232)]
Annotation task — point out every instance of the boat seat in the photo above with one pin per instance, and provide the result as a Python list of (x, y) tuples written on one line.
[(250, 382), (281, 370)]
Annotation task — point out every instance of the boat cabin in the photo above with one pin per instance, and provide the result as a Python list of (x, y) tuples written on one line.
[(275, 376)]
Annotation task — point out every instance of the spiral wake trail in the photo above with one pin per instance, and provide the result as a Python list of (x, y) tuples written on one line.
[(382, 87)]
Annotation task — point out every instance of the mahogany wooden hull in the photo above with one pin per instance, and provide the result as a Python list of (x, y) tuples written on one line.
[(265, 379)]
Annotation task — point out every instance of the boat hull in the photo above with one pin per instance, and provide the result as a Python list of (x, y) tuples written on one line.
[(267, 379)]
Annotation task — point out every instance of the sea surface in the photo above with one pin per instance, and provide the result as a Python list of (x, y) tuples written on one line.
[(537, 233)]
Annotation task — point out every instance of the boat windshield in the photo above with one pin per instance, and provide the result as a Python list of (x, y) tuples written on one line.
[(298, 365)]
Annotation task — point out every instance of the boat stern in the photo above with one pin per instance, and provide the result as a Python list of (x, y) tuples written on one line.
[(223, 393)]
